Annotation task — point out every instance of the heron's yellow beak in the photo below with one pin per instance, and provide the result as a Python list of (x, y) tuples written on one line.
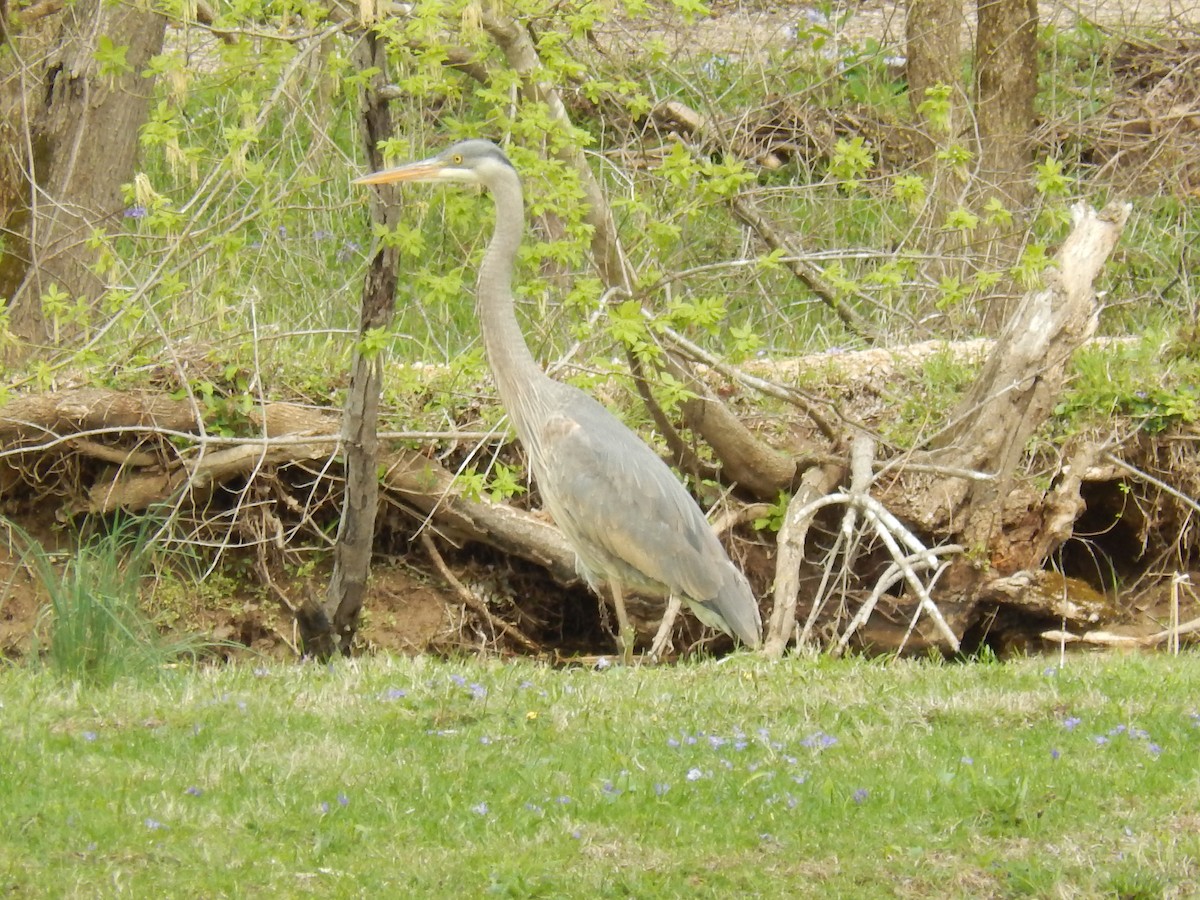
[(425, 170)]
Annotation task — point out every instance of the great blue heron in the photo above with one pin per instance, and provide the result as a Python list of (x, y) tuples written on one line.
[(629, 520)]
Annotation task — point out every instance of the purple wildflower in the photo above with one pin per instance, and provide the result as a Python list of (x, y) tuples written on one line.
[(1054, 754), (193, 791), (135, 212), (1071, 722), (820, 740), (481, 808), (694, 774), (154, 824), (89, 736), (661, 788), (861, 795), (395, 694)]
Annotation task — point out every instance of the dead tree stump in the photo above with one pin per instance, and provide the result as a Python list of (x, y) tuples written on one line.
[(1017, 390)]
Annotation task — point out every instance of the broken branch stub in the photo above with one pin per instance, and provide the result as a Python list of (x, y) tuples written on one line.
[(1022, 379)]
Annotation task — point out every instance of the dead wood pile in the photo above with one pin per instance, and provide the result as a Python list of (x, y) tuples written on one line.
[(953, 545)]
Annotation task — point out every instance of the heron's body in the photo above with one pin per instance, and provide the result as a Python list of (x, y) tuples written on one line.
[(630, 521)]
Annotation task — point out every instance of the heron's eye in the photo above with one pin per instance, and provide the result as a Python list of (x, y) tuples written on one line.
[(456, 158)]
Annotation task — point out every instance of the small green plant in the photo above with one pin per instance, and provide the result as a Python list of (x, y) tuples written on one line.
[(851, 161), (772, 519), (97, 629), (506, 483), (472, 483), (936, 107), (1051, 179)]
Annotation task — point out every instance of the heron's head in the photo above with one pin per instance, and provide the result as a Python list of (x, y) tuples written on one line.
[(469, 162)]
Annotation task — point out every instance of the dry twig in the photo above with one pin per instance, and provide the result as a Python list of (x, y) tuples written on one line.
[(468, 597)]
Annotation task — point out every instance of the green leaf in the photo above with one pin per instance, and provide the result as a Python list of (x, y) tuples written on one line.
[(997, 213), (1050, 180), (961, 219), (910, 190), (111, 57)]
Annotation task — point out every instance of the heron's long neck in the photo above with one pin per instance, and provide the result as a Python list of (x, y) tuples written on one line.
[(517, 374)]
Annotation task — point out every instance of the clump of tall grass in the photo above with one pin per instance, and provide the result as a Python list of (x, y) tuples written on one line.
[(94, 629)]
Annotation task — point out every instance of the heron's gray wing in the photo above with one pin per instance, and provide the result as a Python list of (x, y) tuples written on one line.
[(622, 508)]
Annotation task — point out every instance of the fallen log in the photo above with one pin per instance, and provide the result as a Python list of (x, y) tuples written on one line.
[(132, 432)]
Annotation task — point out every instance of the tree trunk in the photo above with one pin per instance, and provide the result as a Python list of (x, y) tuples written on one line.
[(1006, 76), (933, 49), (333, 629), (71, 138)]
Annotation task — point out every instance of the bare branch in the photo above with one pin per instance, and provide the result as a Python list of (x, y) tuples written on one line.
[(468, 597)]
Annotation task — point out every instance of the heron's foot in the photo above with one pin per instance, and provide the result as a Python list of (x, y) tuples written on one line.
[(662, 646), (662, 638), (625, 644)]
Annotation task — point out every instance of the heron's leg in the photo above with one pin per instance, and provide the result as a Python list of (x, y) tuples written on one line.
[(663, 636), (625, 635)]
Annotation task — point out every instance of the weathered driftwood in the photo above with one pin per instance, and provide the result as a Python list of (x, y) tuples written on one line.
[(816, 483), (1019, 386), (957, 492)]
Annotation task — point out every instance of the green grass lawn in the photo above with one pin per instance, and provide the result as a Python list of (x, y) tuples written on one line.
[(395, 777)]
